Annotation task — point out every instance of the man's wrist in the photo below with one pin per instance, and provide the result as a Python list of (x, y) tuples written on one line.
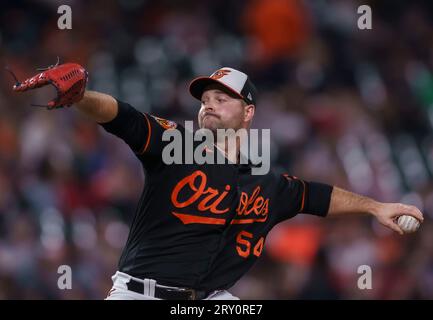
[(374, 207)]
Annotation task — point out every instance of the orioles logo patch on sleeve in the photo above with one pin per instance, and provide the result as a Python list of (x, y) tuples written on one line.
[(166, 124)]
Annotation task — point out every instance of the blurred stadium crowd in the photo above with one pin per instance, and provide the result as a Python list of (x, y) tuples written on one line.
[(346, 107)]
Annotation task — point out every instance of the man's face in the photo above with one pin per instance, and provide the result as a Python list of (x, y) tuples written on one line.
[(220, 110)]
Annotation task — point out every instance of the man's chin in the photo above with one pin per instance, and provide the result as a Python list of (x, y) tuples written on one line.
[(211, 128), (210, 125)]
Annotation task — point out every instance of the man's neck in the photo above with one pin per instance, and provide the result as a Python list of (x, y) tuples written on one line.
[(230, 150)]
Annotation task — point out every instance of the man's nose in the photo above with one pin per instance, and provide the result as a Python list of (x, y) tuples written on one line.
[(209, 107)]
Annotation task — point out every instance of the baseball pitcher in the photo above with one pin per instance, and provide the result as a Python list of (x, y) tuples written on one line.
[(198, 228)]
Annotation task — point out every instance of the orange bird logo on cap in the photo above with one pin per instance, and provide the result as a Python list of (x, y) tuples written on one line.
[(219, 74)]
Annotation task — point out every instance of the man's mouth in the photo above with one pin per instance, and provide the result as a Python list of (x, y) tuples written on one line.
[(210, 114)]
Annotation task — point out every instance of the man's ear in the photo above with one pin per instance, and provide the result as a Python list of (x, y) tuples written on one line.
[(249, 112)]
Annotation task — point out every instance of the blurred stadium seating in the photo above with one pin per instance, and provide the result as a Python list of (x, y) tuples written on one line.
[(347, 107)]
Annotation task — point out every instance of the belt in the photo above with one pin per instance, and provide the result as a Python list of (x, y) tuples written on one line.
[(169, 293)]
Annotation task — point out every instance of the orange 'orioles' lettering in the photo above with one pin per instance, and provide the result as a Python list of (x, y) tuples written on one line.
[(252, 205), (199, 191), (251, 209)]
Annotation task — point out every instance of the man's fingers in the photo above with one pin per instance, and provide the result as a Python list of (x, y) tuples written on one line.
[(412, 211), (392, 225)]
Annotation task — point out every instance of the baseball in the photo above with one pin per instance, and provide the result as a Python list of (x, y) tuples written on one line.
[(408, 224)]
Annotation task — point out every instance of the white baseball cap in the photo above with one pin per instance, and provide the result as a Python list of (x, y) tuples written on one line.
[(232, 79)]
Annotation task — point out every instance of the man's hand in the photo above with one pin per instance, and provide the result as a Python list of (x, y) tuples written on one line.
[(345, 202), (69, 79), (388, 213)]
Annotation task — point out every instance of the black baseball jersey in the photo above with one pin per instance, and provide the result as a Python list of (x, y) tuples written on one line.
[(202, 226)]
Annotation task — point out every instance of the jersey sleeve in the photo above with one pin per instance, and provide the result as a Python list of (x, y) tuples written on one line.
[(299, 196), (141, 131)]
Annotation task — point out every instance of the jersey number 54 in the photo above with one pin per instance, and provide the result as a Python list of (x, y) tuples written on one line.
[(244, 244)]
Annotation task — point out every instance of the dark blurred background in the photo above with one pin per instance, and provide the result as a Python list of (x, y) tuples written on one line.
[(345, 106)]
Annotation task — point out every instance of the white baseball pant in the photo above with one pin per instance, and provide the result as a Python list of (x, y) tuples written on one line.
[(119, 291)]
